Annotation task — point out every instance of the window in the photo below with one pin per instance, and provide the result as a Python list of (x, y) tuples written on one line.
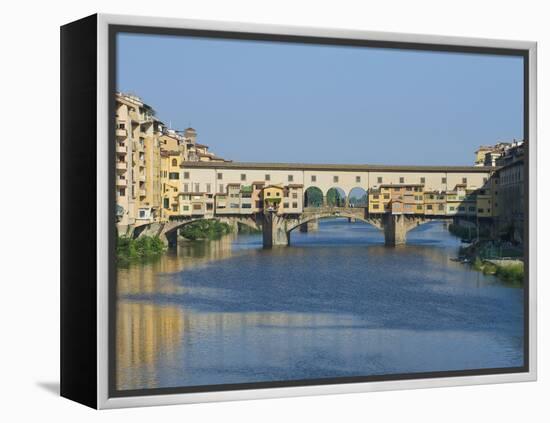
[(197, 187), (233, 206), (122, 192), (209, 206), (220, 188), (142, 214), (294, 205), (294, 195), (208, 188), (480, 210), (313, 178), (268, 177), (166, 203), (379, 179), (185, 208), (246, 206), (197, 207), (441, 207), (422, 180), (285, 193), (243, 176), (375, 206), (429, 207), (174, 162), (386, 196), (335, 178), (285, 205), (464, 180), (268, 194), (220, 176), (173, 175), (357, 179), (278, 194), (375, 197), (461, 208), (185, 175), (443, 180), (290, 178), (419, 207), (472, 209), (451, 208), (401, 180), (185, 187)]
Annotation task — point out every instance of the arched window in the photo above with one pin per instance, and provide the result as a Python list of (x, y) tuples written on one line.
[(174, 162)]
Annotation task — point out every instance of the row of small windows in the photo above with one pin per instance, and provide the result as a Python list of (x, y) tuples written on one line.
[(196, 187), (335, 178)]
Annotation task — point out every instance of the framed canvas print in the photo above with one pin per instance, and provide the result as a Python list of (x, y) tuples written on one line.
[(254, 211)]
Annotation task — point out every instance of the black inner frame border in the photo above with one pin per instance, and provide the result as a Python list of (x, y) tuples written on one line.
[(114, 30)]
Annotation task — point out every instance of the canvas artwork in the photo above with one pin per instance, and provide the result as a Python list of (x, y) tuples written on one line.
[(291, 213)]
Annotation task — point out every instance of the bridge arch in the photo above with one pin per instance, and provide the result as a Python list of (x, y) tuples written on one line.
[(313, 197), (358, 197), (334, 214), (336, 197)]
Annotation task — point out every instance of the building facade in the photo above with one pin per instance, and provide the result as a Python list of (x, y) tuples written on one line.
[(148, 160)]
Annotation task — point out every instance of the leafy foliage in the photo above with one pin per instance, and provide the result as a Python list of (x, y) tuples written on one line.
[(335, 198), (313, 197), (144, 247), (205, 229)]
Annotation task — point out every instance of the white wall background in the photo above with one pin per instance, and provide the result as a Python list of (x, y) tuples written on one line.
[(29, 289)]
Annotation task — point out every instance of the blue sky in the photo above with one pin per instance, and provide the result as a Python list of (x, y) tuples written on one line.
[(282, 102)]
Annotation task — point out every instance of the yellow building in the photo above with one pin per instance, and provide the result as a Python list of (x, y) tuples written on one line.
[(138, 162), (434, 203), (397, 199), (272, 197), (484, 203), (148, 161)]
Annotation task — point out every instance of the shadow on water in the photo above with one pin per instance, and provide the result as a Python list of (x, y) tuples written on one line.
[(337, 302)]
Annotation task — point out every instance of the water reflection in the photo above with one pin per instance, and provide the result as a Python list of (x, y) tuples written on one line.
[(337, 303)]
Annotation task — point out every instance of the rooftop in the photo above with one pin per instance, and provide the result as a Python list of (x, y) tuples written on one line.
[(400, 185), (338, 167)]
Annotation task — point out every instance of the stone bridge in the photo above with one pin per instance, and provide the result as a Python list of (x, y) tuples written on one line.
[(277, 228), (168, 231)]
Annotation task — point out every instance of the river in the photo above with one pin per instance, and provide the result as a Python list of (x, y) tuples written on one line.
[(335, 303)]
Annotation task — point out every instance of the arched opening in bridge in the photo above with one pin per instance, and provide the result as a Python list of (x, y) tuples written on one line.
[(358, 197), (336, 197), (313, 197)]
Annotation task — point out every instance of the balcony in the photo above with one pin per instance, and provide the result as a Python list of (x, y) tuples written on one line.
[(142, 178), (122, 133), (142, 193), (121, 149), (121, 182), (121, 166), (134, 116)]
